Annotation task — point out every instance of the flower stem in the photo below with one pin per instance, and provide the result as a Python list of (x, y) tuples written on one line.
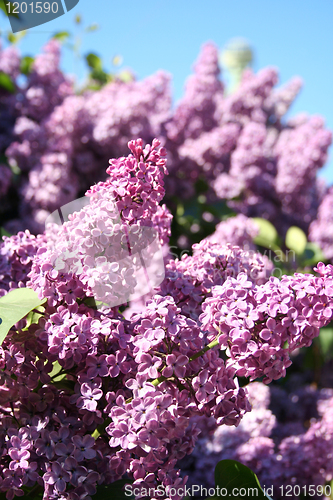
[(212, 344)]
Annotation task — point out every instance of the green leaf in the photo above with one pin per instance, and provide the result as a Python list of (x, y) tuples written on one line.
[(125, 76), (3, 7), (201, 186), (35, 492), (26, 65), (114, 491), (232, 476), (92, 86), (55, 370), (78, 19), (17, 37), (221, 210), (15, 169), (192, 208), (11, 38), (326, 342), (6, 82), (33, 316), (90, 302), (117, 60), (3, 232), (267, 236), (62, 36), (100, 76), (93, 303), (96, 434), (312, 254), (94, 62), (15, 306), (296, 239), (92, 27), (63, 384)]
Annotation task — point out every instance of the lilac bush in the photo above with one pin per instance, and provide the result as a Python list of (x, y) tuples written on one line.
[(237, 147), (285, 440), (17, 253), (87, 396), (155, 390)]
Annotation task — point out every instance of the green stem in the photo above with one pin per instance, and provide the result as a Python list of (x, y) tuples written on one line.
[(14, 417), (35, 490), (38, 312), (212, 344), (161, 378)]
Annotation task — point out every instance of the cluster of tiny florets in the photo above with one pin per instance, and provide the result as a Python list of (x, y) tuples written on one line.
[(239, 144), (88, 397)]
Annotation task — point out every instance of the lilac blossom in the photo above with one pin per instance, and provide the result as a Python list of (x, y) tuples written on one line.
[(57, 477), (274, 440), (240, 144), (84, 447), (154, 379)]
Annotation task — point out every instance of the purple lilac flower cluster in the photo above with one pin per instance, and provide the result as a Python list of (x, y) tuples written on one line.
[(5, 180), (238, 144), (95, 242), (59, 139), (10, 65), (189, 280), (280, 100), (239, 231), (16, 256), (46, 88), (88, 397), (192, 278), (260, 325), (303, 150), (242, 154), (286, 439)]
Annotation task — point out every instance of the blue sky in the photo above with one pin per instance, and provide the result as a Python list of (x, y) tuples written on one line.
[(294, 35)]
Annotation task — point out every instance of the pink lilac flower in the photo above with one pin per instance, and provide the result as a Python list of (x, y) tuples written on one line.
[(84, 447), (57, 477), (147, 380)]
